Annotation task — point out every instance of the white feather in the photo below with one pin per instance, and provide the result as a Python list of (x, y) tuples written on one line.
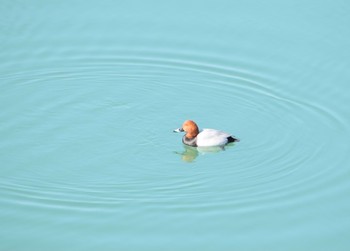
[(212, 137)]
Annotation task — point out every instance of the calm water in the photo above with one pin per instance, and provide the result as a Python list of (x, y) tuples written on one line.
[(90, 92)]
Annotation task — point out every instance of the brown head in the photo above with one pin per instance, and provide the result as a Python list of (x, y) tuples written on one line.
[(191, 129)]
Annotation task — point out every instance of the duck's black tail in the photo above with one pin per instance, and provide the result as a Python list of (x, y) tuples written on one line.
[(232, 139)]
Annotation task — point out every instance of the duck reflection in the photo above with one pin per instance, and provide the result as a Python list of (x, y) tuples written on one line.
[(189, 154)]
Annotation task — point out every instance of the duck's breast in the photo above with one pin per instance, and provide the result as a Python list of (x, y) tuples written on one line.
[(212, 137)]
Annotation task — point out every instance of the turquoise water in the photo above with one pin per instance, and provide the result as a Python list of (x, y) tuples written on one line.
[(90, 92)]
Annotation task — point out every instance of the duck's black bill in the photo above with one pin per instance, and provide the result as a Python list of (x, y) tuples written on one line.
[(178, 130)]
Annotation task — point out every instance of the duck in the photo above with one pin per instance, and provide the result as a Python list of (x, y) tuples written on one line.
[(204, 138)]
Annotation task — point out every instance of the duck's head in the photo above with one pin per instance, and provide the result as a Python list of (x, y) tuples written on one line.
[(190, 127)]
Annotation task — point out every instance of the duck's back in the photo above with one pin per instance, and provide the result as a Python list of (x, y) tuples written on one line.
[(212, 137)]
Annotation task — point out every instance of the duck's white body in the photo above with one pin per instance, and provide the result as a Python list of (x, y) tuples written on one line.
[(212, 137)]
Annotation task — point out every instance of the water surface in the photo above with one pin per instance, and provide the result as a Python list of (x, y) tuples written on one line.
[(91, 91)]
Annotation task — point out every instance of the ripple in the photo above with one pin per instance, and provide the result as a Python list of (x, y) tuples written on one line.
[(271, 161)]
